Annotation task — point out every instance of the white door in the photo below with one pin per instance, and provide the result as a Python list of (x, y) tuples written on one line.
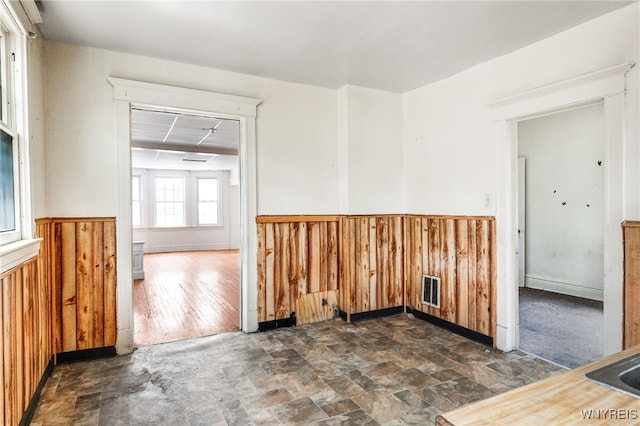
[(521, 220)]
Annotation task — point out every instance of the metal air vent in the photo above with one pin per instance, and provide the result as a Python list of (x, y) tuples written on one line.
[(431, 291)]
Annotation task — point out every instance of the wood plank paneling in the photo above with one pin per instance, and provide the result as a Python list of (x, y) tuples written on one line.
[(66, 259), (85, 283), (461, 251), (39, 305), (297, 256), (25, 320), (375, 261), (314, 307), (631, 236), (109, 278), (344, 293)]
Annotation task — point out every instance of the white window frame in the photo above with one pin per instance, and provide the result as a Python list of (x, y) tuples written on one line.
[(141, 193), (191, 177), (14, 235), (19, 245), (217, 175), (185, 200), (199, 201)]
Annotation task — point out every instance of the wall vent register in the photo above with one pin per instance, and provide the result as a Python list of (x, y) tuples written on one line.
[(431, 291)]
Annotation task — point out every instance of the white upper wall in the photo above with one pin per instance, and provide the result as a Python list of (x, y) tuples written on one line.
[(37, 151), (372, 129), (449, 141), (564, 232), (321, 151), (296, 131)]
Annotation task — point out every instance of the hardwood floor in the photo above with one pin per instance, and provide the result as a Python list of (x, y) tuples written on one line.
[(186, 294)]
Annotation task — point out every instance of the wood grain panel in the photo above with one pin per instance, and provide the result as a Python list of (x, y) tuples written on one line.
[(25, 320), (561, 399), (297, 256), (66, 259), (631, 236), (375, 262), (395, 261), (314, 307), (262, 271), (110, 283), (84, 258), (344, 293), (462, 252), (39, 299)]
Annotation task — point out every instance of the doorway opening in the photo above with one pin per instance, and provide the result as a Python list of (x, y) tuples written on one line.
[(185, 204), (561, 230)]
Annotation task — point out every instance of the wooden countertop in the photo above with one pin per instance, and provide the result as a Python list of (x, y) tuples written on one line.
[(564, 399)]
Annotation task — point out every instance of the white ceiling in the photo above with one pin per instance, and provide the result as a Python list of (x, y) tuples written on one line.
[(167, 140), (388, 45), (167, 130)]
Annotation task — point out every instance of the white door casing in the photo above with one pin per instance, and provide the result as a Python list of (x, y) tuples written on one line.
[(522, 225), (608, 85), (128, 93)]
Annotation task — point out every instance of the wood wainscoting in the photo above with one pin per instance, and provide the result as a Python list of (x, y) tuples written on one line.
[(371, 254), (631, 292), (26, 316), (462, 252), (297, 255), (381, 260), (84, 262)]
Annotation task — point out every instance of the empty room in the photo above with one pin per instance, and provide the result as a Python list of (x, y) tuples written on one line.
[(222, 212)]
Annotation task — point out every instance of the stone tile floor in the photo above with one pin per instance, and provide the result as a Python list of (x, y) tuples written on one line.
[(390, 371)]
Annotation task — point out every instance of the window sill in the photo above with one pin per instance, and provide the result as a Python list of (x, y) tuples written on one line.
[(13, 254)]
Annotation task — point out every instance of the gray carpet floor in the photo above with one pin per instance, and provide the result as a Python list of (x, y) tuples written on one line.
[(563, 329)]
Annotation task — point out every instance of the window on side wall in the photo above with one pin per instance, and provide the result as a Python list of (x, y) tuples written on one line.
[(207, 201), (13, 164), (165, 198), (169, 200), (136, 201)]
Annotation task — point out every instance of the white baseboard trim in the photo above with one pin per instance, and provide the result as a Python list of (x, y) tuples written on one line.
[(184, 247), (571, 289)]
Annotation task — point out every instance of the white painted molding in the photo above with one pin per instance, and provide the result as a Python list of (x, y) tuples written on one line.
[(13, 254), (565, 84), (608, 85), (564, 287), (132, 93), (32, 11), (578, 90), (156, 94)]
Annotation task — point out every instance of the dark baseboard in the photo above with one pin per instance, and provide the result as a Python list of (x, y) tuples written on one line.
[(85, 354), (285, 322), (35, 398), (372, 314), (455, 328)]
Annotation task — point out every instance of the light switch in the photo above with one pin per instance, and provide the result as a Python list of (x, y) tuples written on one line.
[(488, 199)]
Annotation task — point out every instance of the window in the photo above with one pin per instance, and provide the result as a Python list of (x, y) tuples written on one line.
[(207, 201), (13, 192), (17, 244), (177, 198), (169, 201), (136, 202)]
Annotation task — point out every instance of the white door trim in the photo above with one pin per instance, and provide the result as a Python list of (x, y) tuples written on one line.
[(607, 85), (128, 93)]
